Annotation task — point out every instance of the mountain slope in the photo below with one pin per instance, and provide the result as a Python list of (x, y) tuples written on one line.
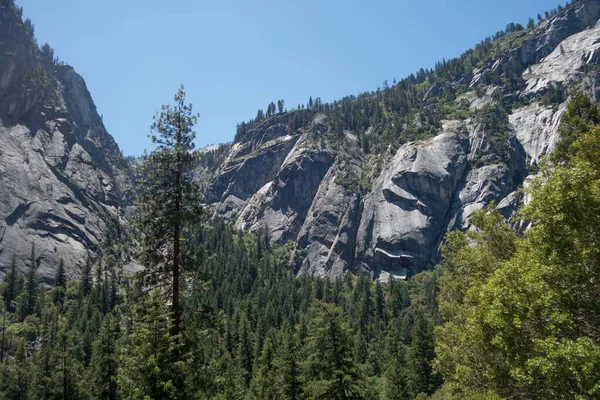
[(62, 174), (374, 182)]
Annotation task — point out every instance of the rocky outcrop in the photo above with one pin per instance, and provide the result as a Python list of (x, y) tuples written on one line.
[(62, 175), (536, 128), (546, 38), (323, 195), (294, 176), (326, 243), (406, 210), (565, 64), (249, 166), (280, 206)]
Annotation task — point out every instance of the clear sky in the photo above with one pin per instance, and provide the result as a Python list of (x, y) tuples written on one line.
[(236, 56)]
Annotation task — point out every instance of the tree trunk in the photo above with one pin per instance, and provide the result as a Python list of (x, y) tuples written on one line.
[(64, 371), (176, 240), (176, 315), (111, 389)]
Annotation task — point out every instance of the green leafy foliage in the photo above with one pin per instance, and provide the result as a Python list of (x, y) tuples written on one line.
[(581, 115), (521, 313)]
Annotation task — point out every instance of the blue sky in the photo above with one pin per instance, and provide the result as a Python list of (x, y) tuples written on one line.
[(236, 56)]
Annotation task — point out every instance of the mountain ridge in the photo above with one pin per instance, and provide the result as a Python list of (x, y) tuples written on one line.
[(491, 119)]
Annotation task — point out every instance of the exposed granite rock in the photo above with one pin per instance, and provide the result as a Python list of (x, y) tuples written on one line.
[(394, 229), (249, 166), (546, 38), (394, 225), (281, 205), (326, 243), (54, 197), (565, 64), (487, 99), (406, 210), (250, 173), (536, 128), (62, 175)]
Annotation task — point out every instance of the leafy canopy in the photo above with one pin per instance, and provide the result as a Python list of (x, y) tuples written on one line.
[(521, 314)]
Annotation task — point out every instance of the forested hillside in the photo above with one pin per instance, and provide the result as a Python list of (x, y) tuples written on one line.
[(251, 329), (521, 312)]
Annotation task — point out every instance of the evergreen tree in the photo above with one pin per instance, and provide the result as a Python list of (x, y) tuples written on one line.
[(331, 372), (168, 201), (104, 361), (396, 381), (264, 384), (13, 375), (60, 282), (2, 340), (288, 366), (28, 297), (379, 300), (85, 281), (147, 369), (420, 356), (245, 349), (230, 384)]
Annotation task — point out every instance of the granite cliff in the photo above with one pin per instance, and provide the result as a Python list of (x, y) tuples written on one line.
[(62, 176), (347, 209)]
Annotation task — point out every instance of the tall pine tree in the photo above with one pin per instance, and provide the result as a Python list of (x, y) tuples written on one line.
[(168, 200)]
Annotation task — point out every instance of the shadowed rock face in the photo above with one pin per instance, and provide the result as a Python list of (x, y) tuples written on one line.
[(325, 245), (296, 165), (62, 175), (306, 190)]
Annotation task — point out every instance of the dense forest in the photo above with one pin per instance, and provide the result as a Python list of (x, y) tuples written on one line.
[(250, 330), (215, 313)]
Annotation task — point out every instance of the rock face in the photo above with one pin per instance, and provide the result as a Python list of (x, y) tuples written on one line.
[(406, 210), (281, 204), (62, 175), (303, 186), (325, 245), (249, 167), (547, 37)]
